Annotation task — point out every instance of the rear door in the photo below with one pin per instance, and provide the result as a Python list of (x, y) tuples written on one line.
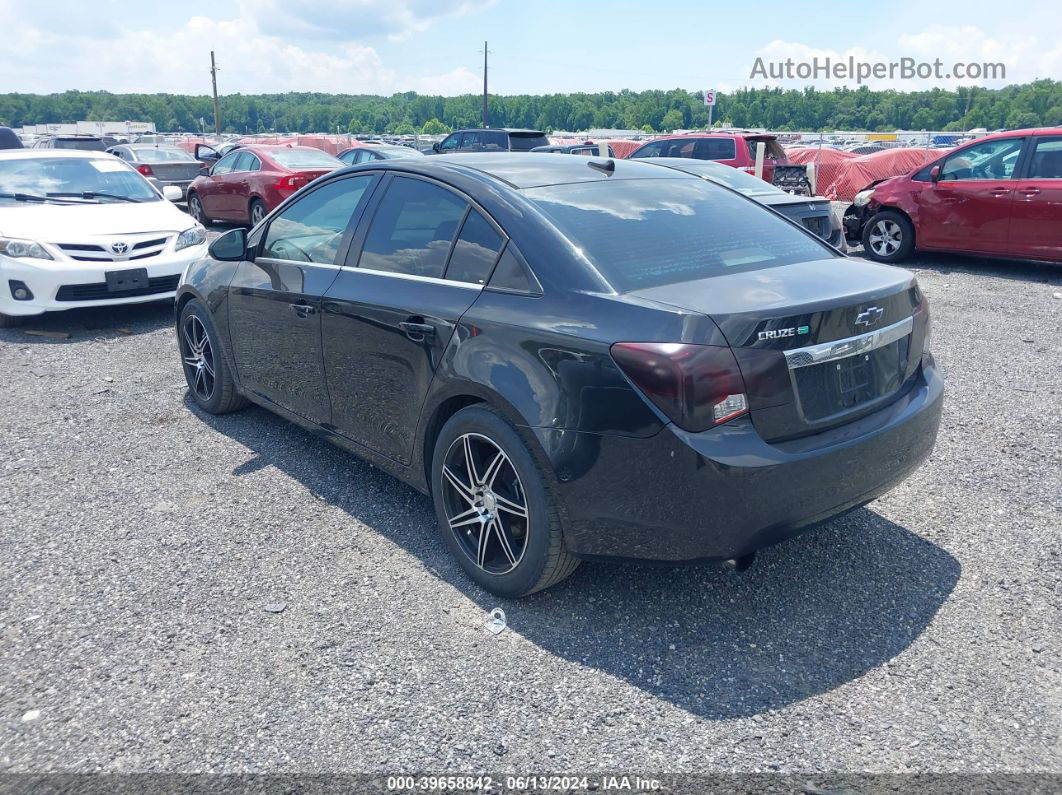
[(1036, 212), (969, 208), (275, 299), (411, 272)]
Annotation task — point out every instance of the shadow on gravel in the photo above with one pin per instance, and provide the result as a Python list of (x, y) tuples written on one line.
[(814, 613), (90, 323)]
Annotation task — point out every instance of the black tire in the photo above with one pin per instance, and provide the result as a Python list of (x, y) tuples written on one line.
[(543, 560), (196, 209), (256, 211), (211, 384), (10, 321), (888, 237)]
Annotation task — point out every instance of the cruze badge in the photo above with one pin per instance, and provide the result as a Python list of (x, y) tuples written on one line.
[(869, 317), (119, 248), (779, 333)]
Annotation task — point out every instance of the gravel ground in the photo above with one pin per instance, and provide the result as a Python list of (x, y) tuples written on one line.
[(190, 593)]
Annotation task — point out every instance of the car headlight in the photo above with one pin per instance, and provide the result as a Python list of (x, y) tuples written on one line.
[(863, 197), (23, 249), (190, 237)]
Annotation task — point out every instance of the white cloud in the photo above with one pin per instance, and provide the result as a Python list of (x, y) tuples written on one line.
[(339, 19), (176, 58)]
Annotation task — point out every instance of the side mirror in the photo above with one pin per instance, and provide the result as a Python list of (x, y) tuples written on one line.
[(172, 193), (934, 173), (436, 147), (230, 247)]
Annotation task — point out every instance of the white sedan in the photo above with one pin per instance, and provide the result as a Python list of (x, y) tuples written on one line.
[(85, 229)]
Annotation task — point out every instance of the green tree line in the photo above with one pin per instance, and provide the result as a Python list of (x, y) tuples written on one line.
[(1030, 104)]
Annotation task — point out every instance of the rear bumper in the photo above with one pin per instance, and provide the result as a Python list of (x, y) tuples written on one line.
[(721, 494)]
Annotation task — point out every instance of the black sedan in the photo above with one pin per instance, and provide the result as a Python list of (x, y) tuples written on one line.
[(577, 358), (370, 152), (813, 212)]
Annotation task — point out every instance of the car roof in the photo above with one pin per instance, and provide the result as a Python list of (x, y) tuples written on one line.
[(528, 169), (502, 129), (31, 153)]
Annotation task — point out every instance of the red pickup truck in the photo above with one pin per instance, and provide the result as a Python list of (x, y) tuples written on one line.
[(733, 149)]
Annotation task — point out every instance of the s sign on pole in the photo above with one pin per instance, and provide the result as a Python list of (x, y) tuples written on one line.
[(709, 101)]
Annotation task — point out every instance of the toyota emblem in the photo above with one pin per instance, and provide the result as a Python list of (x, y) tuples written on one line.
[(119, 248)]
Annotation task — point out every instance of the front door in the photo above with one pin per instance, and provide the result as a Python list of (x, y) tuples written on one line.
[(275, 300), (420, 263), (968, 208), (214, 193), (1036, 218)]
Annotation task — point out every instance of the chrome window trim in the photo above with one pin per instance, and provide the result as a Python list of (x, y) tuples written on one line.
[(851, 346), (413, 277), (301, 263)]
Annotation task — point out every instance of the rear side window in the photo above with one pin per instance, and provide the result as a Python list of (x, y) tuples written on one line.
[(644, 233), (475, 252), (413, 229), (243, 162), (224, 166), (84, 144), (715, 149), (525, 142), (310, 230)]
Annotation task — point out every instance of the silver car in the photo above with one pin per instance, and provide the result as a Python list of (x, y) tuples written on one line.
[(161, 163)]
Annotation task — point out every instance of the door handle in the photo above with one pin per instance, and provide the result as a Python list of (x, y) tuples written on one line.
[(416, 329), (1029, 191), (303, 310), (998, 192)]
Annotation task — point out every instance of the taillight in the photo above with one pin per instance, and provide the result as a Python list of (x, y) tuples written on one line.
[(292, 183), (696, 386), (145, 169)]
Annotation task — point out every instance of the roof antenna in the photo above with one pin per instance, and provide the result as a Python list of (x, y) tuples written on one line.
[(607, 168)]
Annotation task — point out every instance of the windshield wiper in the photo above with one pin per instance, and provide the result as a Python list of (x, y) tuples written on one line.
[(33, 197), (91, 194)]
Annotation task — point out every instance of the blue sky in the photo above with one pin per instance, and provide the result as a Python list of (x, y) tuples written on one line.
[(537, 46)]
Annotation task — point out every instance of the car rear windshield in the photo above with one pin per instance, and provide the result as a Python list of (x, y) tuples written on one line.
[(645, 233), (305, 158), (163, 155), (88, 144), (772, 149), (525, 142)]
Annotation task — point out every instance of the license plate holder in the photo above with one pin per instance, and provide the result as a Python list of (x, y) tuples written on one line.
[(853, 375), (128, 279)]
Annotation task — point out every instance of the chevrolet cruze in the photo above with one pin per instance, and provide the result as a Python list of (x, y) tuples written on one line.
[(577, 358)]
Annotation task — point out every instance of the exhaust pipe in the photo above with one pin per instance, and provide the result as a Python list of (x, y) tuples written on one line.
[(740, 564)]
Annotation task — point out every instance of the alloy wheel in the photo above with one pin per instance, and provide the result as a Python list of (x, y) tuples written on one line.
[(885, 237), (257, 213), (196, 207), (485, 504), (198, 357)]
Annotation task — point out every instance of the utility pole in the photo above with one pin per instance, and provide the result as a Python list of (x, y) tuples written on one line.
[(214, 80), (486, 119)]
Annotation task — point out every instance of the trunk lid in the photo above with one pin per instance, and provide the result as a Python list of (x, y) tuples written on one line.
[(819, 343)]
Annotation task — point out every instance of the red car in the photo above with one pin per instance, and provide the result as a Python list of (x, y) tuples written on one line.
[(247, 183), (732, 149), (1000, 196)]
